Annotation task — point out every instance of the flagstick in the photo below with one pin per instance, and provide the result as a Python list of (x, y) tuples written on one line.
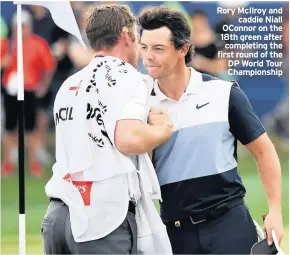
[(20, 97), (70, 25)]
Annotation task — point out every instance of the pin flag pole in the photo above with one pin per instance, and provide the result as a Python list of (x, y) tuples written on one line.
[(20, 98), (58, 10)]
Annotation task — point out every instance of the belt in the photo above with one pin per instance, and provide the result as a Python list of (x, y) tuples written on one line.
[(207, 215), (131, 206)]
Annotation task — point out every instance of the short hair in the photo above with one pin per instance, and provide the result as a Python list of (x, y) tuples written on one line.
[(175, 21), (105, 24)]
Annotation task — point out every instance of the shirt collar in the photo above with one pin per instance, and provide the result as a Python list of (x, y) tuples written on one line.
[(192, 87)]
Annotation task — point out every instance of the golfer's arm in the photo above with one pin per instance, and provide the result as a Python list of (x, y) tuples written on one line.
[(135, 137), (269, 169)]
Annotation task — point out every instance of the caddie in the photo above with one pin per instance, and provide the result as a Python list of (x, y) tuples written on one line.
[(103, 179)]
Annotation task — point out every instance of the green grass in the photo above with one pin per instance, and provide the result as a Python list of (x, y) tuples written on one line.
[(36, 204)]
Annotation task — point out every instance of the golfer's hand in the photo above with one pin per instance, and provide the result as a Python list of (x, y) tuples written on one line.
[(273, 221), (159, 117)]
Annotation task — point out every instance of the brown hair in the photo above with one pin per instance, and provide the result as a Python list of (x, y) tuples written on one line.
[(174, 20), (105, 24)]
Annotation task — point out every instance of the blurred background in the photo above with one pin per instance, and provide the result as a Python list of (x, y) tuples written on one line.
[(51, 55)]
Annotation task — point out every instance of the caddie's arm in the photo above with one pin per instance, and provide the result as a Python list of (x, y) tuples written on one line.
[(135, 137), (132, 134)]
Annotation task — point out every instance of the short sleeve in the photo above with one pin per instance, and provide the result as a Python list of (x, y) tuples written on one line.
[(136, 107), (244, 123)]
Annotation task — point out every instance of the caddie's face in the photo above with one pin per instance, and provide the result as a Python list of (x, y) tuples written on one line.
[(158, 53)]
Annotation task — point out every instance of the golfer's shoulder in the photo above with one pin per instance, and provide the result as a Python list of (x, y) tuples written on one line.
[(216, 86), (212, 81)]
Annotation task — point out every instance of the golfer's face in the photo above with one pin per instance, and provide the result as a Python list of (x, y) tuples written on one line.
[(158, 53)]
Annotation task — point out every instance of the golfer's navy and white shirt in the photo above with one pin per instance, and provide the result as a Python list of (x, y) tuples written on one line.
[(197, 167)]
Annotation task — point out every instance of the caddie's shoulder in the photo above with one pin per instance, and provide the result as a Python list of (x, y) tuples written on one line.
[(119, 67), (72, 81)]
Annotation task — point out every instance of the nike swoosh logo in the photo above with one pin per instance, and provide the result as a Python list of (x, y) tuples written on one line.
[(200, 106)]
